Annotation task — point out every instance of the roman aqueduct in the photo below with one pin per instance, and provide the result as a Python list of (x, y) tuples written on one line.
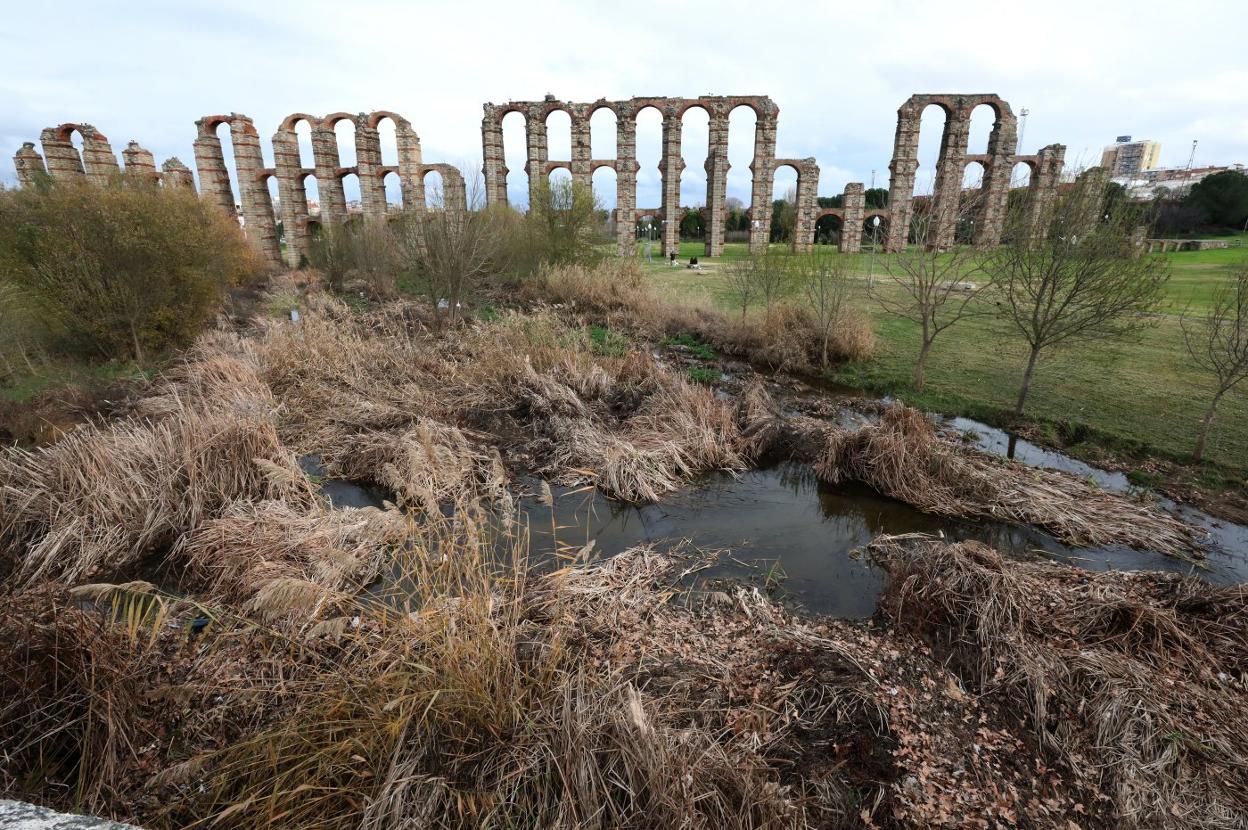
[(96, 162)]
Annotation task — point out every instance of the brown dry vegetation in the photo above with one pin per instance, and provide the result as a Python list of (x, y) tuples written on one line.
[(306, 667)]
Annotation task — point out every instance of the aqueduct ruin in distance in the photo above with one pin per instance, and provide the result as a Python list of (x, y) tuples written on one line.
[(97, 163)]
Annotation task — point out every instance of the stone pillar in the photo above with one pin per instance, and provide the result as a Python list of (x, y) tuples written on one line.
[(259, 222), (29, 165), (410, 180), (537, 149), (1002, 143), (582, 168), (328, 181), (1090, 190), (670, 167), (176, 174), (139, 162), (214, 179), (62, 157), (97, 156), (1139, 240), (494, 167), (625, 179), (902, 169), (1042, 188), (716, 179), (368, 169), (763, 169), (807, 202), (854, 203), (950, 168), (455, 192), (293, 194)]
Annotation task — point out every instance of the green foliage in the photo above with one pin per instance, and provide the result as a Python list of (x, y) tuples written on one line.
[(357, 255), (691, 224), (695, 346), (783, 220), (830, 201), (607, 343), (121, 270), (1222, 198), (703, 374), (560, 228), (876, 197)]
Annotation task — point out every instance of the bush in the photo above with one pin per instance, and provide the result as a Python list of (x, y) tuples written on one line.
[(560, 228), (122, 270), (358, 256)]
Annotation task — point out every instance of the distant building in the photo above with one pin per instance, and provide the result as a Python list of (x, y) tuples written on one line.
[(1128, 158), (1170, 181)]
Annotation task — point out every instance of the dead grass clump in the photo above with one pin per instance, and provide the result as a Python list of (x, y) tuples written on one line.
[(902, 456), (106, 495), (1133, 683)]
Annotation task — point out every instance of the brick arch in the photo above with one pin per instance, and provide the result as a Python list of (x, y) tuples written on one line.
[(839, 213), (599, 163), (373, 119), (686, 104), (331, 121), (291, 121), (601, 104), (552, 166), (64, 132)]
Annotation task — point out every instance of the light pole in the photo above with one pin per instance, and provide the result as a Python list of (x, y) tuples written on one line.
[(875, 227)]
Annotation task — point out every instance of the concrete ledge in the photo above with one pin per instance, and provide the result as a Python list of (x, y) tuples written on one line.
[(17, 815)]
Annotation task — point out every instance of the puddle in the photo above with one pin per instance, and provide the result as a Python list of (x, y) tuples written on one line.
[(997, 442)]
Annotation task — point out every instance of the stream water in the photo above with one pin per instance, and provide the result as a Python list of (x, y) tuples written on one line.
[(788, 532)]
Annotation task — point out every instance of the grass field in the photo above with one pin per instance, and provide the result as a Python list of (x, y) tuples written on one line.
[(1122, 394)]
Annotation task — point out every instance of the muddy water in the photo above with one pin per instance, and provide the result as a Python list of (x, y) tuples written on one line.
[(782, 529)]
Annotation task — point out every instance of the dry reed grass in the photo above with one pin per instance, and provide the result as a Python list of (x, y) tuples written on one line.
[(902, 456), (1134, 683)]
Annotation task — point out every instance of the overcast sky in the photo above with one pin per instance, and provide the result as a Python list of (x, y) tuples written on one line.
[(1086, 71)]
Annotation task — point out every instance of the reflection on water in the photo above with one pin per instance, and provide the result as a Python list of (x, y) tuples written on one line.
[(782, 523)]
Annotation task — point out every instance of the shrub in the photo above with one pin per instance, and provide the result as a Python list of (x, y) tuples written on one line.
[(358, 256), (122, 270), (560, 228)]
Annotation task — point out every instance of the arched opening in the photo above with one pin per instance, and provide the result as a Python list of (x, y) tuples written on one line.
[(303, 137), (275, 199), (558, 136), (560, 179), (314, 229), (394, 191), (983, 117), (312, 191), (602, 182), (971, 201), (344, 132), (1020, 175), (435, 193), (75, 138), (649, 155), (828, 229), (931, 131), (602, 133), (515, 155), (351, 190), (602, 185), (1020, 191), (742, 121), (388, 137), (227, 152), (874, 232), (694, 148), (783, 204)]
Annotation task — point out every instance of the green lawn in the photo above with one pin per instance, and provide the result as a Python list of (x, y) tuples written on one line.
[(1132, 393)]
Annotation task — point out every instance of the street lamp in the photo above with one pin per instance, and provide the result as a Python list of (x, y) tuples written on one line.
[(875, 227)]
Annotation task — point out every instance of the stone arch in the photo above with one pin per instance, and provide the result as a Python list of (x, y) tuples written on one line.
[(393, 187), (312, 192), (351, 190), (829, 224), (649, 153), (558, 123), (346, 146), (513, 125), (981, 119), (603, 131), (695, 152), (435, 188), (873, 233), (604, 186)]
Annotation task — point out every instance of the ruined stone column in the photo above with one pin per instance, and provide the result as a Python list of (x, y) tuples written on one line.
[(582, 169), (410, 180), (763, 168), (1042, 188), (368, 169), (1090, 190), (176, 174), (454, 190), (807, 196), (535, 138), (259, 222), (292, 193), (670, 167), (29, 165), (62, 157), (716, 179), (902, 169), (854, 203), (328, 181), (950, 168), (1002, 143), (139, 163), (214, 179), (625, 178), (97, 156), (494, 167)]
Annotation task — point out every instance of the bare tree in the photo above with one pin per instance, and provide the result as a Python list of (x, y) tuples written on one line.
[(931, 288), (824, 281), (449, 250), (1073, 278), (768, 277), (1218, 344)]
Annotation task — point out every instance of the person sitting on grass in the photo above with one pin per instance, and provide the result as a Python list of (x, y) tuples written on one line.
[(693, 263)]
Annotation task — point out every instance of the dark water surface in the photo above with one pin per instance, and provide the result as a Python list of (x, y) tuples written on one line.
[(793, 535)]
